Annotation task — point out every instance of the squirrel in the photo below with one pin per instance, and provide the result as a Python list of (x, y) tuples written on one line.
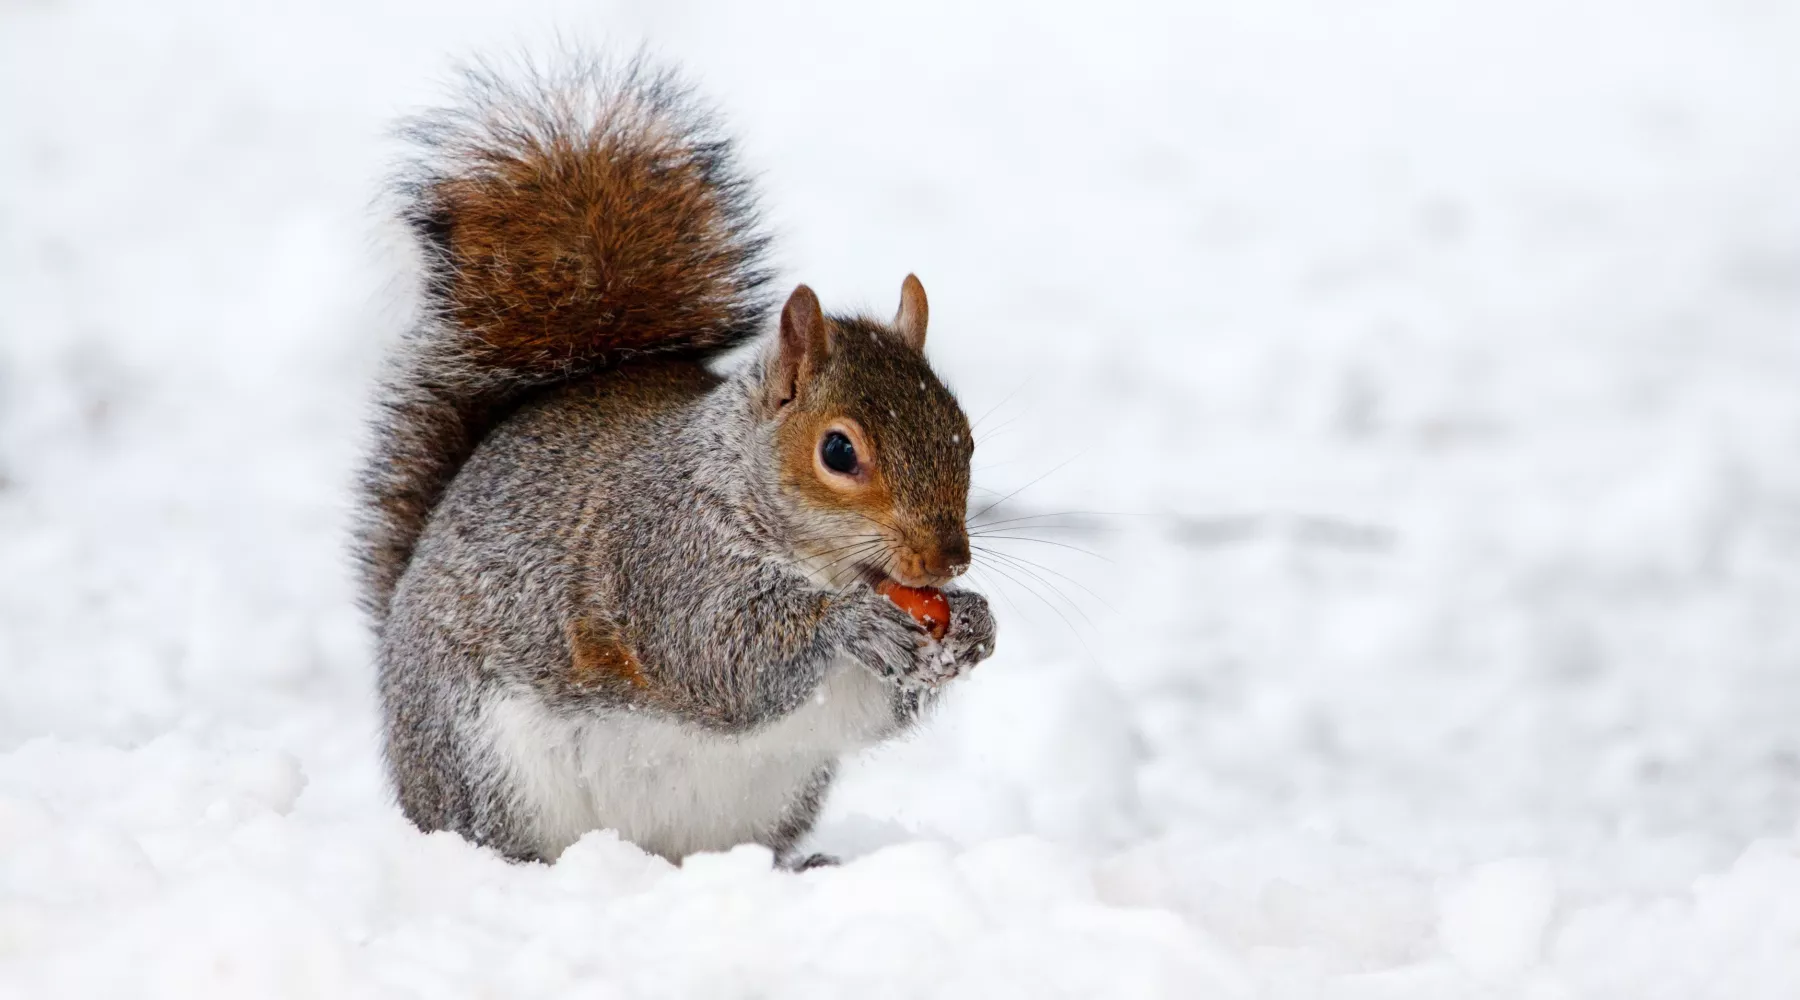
[(612, 586)]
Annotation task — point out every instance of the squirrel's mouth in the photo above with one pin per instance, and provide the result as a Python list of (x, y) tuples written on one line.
[(875, 575), (872, 575)]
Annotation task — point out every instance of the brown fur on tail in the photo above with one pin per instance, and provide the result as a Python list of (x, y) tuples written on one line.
[(566, 222)]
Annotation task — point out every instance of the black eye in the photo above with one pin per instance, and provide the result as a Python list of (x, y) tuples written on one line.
[(838, 454)]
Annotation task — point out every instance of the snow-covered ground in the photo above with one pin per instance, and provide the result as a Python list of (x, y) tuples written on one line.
[(1426, 377)]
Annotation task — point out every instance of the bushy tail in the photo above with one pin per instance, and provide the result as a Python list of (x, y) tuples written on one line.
[(567, 220)]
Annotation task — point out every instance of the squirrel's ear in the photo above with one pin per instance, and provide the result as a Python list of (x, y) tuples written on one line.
[(909, 322), (801, 350)]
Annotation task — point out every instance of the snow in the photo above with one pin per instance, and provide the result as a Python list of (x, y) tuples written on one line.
[(1424, 376), (1491, 920)]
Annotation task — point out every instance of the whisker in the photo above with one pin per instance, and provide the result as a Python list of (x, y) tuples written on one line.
[(1043, 568), (840, 558), (847, 556), (844, 544), (998, 430), (834, 537), (886, 567), (1053, 608), (1027, 486), (877, 522), (991, 585), (995, 537), (1054, 589), (854, 554), (1003, 402), (1035, 517)]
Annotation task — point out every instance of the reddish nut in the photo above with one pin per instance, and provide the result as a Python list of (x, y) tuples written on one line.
[(926, 605)]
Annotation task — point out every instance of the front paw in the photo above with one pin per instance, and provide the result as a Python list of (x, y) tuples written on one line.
[(887, 640), (901, 652), (968, 640), (971, 636)]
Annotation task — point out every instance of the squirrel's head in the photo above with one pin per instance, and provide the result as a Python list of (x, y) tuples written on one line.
[(872, 450)]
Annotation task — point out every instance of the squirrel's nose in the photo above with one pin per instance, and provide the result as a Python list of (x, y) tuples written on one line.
[(950, 557), (932, 558)]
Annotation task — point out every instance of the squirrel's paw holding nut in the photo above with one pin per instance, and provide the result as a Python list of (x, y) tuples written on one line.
[(968, 640), (971, 636), (898, 649), (887, 640)]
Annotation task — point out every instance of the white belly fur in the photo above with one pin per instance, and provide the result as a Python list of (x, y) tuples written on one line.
[(670, 788)]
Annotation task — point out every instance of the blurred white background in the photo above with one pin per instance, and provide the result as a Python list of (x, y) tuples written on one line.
[(1418, 381)]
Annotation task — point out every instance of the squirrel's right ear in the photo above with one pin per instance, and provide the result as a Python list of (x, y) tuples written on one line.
[(909, 322), (801, 350)]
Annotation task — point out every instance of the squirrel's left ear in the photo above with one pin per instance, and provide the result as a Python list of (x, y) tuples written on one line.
[(800, 350), (909, 322)]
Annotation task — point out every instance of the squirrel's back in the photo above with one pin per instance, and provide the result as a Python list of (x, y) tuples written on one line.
[(566, 221)]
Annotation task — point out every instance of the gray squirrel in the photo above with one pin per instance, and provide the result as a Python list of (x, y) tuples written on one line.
[(613, 589)]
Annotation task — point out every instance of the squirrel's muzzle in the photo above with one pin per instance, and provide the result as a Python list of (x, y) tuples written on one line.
[(932, 560)]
